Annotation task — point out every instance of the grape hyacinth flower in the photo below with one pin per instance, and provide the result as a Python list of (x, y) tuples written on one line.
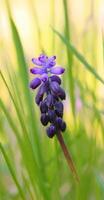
[(49, 98), (50, 94)]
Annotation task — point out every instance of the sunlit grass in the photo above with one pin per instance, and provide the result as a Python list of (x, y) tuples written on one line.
[(32, 166)]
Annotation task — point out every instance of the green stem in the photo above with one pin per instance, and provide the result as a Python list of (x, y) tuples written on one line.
[(67, 155)]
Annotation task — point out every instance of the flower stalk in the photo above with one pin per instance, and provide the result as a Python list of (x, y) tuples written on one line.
[(49, 98), (67, 156)]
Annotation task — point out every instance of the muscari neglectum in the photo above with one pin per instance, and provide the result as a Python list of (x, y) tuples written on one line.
[(49, 98)]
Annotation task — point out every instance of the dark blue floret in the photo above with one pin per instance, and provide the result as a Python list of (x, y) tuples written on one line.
[(56, 79), (58, 122), (51, 115), (59, 108), (57, 90), (49, 95), (35, 83), (63, 126), (51, 131), (40, 93), (44, 119), (62, 94), (43, 107), (49, 100), (55, 87)]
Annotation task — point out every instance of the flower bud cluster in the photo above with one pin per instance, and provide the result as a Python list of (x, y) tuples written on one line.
[(50, 94)]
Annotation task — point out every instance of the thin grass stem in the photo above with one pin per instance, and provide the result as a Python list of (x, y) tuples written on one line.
[(67, 156)]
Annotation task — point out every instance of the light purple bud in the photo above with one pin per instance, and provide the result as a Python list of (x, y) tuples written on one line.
[(36, 61), (37, 70), (52, 58), (44, 77), (42, 58), (51, 64), (57, 70), (35, 83)]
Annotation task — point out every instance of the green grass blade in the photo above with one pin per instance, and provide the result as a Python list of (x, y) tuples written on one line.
[(12, 172), (24, 74), (24, 80), (27, 146), (69, 58), (7, 114), (15, 88), (79, 56), (15, 105), (67, 29), (24, 146), (20, 56)]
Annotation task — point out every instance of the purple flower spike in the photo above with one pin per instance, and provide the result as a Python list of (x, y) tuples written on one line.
[(57, 70), (35, 83), (49, 99), (49, 95)]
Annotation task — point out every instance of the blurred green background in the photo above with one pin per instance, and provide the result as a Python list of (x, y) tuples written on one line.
[(32, 166)]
